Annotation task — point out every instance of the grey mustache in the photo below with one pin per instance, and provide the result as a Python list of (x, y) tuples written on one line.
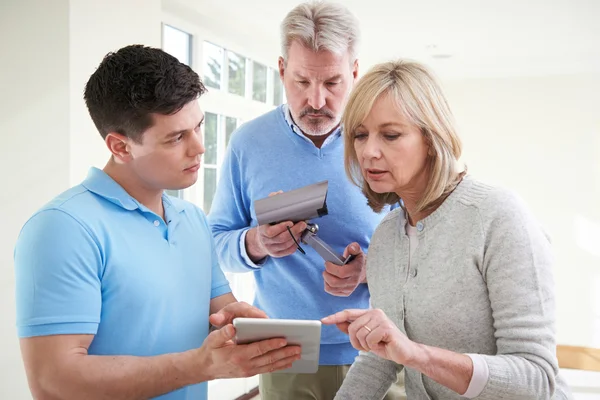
[(307, 111)]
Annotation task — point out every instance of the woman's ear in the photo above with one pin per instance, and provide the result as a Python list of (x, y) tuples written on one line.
[(428, 142), (430, 151)]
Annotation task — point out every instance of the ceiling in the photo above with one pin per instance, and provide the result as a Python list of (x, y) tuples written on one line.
[(459, 38)]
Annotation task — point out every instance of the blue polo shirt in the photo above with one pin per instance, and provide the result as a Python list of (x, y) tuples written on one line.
[(96, 261)]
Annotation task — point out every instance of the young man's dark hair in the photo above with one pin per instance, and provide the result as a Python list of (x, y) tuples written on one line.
[(135, 82)]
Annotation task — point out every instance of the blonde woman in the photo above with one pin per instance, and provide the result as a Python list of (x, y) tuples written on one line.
[(460, 277)]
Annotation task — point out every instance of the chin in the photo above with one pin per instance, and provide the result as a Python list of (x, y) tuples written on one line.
[(184, 183), (381, 187), (318, 129)]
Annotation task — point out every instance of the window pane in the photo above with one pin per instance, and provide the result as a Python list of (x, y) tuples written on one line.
[(230, 125), (259, 82), (210, 186), (277, 89), (213, 60), (210, 138), (177, 43), (237, 73)]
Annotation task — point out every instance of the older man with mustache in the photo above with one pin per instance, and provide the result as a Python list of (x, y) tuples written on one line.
[(295, 145)]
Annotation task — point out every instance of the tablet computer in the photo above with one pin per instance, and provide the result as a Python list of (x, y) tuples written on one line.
[(305, 333)]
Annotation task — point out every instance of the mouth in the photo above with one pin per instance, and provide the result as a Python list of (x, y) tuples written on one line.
[(193, 168), (375, 174)]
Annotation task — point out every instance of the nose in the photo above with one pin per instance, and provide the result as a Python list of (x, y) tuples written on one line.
[(371, 148), (316, 97), (196, 146)]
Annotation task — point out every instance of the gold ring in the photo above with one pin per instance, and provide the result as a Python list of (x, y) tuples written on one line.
[(367, 328)]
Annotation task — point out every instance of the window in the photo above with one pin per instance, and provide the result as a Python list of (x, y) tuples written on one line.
[(177, 43), (212, 66), (237, 73), (233, 74), (259, 82), (230, 125), (217, 132), (211, 130), (210, 186), (277, 89), (210, 138)]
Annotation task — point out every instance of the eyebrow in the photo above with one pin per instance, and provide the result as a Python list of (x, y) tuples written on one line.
[(333, 78), (386, 125), (177, 133)]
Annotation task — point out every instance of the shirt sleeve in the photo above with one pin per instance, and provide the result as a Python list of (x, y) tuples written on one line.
[(230, 218), (517, 268), (369, 378), (245, 255), (479, 378), (58, 267)]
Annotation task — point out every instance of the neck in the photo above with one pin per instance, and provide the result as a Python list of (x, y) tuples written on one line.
[(318, 140), (410, 205), (411, 195), (149, 197)]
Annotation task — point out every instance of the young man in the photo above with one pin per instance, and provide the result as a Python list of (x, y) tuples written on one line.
[(116, 280), (292, 146)]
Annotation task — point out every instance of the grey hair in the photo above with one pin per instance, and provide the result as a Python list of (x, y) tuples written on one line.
[(321, 25)]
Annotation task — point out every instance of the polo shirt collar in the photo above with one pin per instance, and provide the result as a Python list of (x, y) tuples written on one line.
[(100, 183)]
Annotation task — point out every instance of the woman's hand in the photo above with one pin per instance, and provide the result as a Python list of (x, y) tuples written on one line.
[(372, 330)]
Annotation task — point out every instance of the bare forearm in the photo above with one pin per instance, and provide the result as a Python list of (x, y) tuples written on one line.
[(453, 370), (254, 251), (119, 377)]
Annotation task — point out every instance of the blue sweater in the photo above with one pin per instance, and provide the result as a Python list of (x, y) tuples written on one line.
[(265, 156)]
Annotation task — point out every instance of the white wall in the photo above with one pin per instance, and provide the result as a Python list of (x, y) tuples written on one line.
[(541, 137), (34, 124), (49, 49), (98, 27)]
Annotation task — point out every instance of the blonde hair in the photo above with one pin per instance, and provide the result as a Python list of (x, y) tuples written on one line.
[(419, 98), (320, 25)]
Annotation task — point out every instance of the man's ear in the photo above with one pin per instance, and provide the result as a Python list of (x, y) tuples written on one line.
[(281, 62), (118, 145), (355, 70)]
